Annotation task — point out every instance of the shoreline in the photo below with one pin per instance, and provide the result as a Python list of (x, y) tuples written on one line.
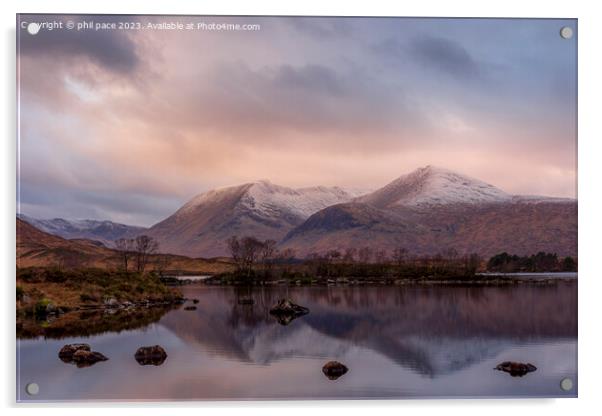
[(52, 292), (478, 280)]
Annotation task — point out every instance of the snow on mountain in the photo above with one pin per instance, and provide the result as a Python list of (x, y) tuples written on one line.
[(260, 209), (104, 231), (267, 199), (431, 210), (430, 186), (538, 199)]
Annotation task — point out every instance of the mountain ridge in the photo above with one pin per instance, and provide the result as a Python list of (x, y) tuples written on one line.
[(431, 210), (261, 209), (426, 211), (432, 185), (104, 231)]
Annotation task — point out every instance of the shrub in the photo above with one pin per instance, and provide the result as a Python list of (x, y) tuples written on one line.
[(20, 293), (41, 308), (85, 297)]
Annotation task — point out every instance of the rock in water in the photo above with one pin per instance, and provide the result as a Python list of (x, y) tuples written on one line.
[(334, 370), (66, 353), (154, 355), (85, 358), (516, 369), (190, 308), (285, 311)]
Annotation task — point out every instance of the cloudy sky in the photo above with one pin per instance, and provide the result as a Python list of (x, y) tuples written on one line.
[(127, 125)]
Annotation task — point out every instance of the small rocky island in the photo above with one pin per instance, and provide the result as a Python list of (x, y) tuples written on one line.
[(80, 355), (286, 311), (516, 369), (334, 369), (153, 355)]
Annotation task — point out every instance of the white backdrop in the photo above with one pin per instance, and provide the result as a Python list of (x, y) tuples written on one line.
[(590, 162)]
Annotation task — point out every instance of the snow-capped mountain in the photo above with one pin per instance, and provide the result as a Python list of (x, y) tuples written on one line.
[(104, 231), (427, 211), (260, 209), (265, 199), (430, 185), (431, 210)]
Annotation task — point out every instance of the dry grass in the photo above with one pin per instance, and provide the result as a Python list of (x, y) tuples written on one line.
[(68, 290)]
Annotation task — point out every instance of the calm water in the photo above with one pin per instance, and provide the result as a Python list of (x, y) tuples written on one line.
[(398, 342)]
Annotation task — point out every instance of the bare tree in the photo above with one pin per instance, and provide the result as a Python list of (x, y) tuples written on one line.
[(318, 263), (161, 262), (399, 256), (233, 244), (333, 258), (250, 249), (125, 247), (267, 254), (286, 257), (245, 252), (450, 257), (451, 254), (381, 257), (365, 255), (145, 246), (349, 255), (472, 263)]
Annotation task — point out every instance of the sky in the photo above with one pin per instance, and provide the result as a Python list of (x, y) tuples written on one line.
[(128, 125)]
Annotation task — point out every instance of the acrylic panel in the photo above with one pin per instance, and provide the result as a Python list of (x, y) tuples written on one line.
[(280, 207)]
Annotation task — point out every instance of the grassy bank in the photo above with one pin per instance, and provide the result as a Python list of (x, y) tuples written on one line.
[(52, 291)]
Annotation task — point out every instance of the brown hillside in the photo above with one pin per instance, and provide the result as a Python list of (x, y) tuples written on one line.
[(36, 248)]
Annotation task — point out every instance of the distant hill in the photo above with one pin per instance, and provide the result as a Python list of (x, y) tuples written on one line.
[(104, 231), (260, 209), (36, 248), (487, 229)]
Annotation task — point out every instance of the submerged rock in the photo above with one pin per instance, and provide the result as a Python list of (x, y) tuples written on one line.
[(190, 308), (111, 303), (516, 369), (285, 311), (85, 358), (334, 370), (66, 353), (153, 355)]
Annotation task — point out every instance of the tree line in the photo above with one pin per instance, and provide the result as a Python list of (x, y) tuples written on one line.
[(251, 256), (136, 252), (540, 262), (260, 259)]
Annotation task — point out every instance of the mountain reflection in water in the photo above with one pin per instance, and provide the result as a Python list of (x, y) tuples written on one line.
[(397, 341)]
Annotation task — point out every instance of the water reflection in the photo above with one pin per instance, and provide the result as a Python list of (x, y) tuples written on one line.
[(396, 342), (404, 324), (89, 322)]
